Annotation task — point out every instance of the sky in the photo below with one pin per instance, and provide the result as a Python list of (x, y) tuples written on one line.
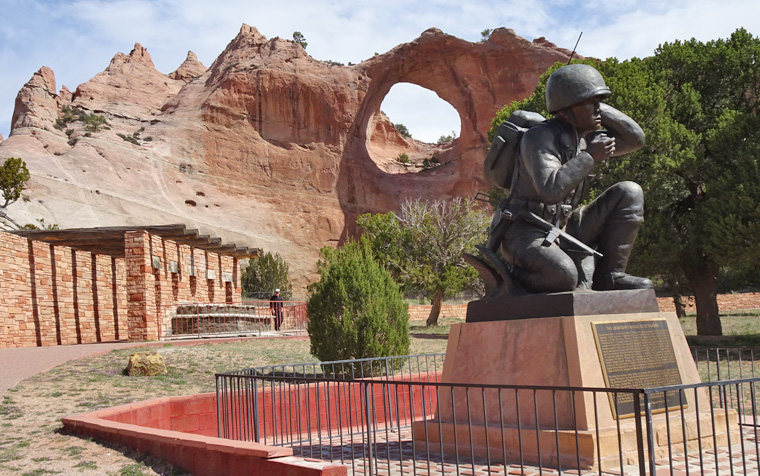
[(78, 38)]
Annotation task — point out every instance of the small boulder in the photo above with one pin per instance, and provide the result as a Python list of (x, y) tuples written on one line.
[(146, 364)]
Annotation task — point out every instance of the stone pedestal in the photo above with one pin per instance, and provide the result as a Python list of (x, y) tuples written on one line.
[(589, 303), (552, 352)]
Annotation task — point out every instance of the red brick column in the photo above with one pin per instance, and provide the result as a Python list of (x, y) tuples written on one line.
[(63, 282), (17, 328), (141, 300), (229, 278), (45, 306), (118, 284)]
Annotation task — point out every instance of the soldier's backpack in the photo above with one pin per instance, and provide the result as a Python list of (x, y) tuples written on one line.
[(501, 161)]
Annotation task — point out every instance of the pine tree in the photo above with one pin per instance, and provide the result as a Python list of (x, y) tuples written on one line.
[(355, 310), (265, 274)]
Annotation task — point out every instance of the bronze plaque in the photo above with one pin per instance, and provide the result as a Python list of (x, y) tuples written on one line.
[(637, 354)]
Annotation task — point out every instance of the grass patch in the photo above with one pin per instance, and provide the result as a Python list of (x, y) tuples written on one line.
[(442, 329), (86, 465), (8, 410), (9, 454), (72, 451), (734, 323), (134, 470)]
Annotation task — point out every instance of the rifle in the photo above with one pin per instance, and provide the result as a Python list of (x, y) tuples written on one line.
[(552, 233)]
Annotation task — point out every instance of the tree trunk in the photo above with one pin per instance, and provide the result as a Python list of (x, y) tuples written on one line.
[(435, 310), (675, 289), (4, 216), (680, 306), (703, 280)]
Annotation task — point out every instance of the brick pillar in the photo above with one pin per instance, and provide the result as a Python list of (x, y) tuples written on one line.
[(119, 297), (142, 318), (229, 271)]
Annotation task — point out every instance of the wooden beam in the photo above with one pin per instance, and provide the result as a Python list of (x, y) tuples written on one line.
[(241, 253), (110, 240)]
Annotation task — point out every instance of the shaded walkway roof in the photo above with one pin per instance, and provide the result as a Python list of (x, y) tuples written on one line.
[(109, 240)]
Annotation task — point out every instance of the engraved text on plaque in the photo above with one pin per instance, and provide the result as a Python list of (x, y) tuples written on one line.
[(637, 354)]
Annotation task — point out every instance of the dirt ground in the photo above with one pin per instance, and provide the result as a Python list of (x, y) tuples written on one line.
[(32, 440)]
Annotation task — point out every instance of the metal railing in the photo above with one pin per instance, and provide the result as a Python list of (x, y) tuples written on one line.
[(725, 363), (227, 319), (394, 416)]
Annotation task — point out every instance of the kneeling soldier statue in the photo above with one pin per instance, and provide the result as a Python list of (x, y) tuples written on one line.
[(541, 230)]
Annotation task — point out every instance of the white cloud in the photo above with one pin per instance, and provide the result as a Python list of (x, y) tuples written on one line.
[(77, 38)]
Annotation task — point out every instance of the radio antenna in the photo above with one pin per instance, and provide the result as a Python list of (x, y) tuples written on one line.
[(574, 47)]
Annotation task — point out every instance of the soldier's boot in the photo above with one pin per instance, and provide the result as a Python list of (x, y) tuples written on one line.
[(616, 245)]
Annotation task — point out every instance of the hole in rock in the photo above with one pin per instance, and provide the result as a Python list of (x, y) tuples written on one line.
[(412, 131), (425, 115)]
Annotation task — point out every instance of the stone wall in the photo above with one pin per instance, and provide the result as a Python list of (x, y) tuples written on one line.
[(54, 295), (163, 274)]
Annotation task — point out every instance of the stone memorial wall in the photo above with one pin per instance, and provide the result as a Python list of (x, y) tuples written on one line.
[(56, 295)]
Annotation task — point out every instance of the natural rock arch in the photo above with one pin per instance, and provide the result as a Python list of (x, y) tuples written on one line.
[(476, 79)]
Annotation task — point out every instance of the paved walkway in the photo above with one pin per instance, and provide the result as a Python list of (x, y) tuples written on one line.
[(396, 455)]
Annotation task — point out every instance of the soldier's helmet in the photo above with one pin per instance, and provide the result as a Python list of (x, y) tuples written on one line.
[(573, 84)]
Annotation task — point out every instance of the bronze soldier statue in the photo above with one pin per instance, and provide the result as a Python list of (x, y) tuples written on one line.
[(555, 159)]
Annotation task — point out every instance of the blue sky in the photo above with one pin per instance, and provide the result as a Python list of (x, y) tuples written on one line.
[(78, 38)]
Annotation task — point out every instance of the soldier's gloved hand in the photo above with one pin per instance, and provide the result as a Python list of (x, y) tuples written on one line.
[(600, 146)]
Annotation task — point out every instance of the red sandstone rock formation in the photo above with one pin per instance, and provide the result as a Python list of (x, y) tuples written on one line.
[(268, 146), (190, 69)]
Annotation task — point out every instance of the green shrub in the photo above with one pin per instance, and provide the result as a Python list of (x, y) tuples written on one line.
[(94, 122), (13, 178), (403, 130), (355, 310), (265, 274), (132, 139), (403, 158), (445, 139), (431, 162), (300, 39)]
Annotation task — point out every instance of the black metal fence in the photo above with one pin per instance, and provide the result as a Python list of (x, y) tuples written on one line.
[(394, 416), (725, 363), (227, 319)]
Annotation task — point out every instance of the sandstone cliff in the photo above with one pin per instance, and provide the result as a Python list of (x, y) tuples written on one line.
[(268, 147)]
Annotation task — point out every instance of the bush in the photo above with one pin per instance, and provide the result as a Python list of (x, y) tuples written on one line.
[(265, 274), (13, 178), (94, 122), (300, 39), (445, 139), (355, 310), (403, 130)]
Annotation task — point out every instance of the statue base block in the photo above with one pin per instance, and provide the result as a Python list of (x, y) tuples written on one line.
[(573, 428), (584, 303), (583, 449)]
